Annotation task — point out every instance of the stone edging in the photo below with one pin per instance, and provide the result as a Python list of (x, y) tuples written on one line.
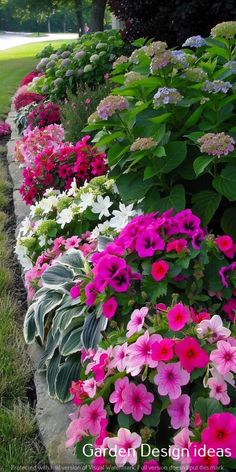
[(52, 416)]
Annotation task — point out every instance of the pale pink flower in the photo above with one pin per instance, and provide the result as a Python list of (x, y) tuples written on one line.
[(170, 378), (117, 396), (128, 442), (179, 411), (91, 415), (180, 450), (213, 330), (140, 353), (90, 387), (120, 356), (136, 321), (224, 357), (75, 432), (218, 389), (137, 401)]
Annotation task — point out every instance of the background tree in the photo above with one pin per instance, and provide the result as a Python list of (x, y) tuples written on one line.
[(97, 14)]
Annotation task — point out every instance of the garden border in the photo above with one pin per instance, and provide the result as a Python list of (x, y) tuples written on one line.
[(52, 417)]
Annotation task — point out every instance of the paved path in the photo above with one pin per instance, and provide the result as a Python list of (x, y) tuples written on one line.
[(10, 40)]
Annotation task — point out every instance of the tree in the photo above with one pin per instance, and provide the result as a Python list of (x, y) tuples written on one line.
[(97, 14)]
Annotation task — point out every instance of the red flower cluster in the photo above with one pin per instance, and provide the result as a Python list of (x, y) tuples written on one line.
[(5, 129), (44, 114), (24, 99), (58, 167), (29, 77)]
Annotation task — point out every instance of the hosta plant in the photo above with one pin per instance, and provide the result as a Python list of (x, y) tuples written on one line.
[(94, 207), (61, 324), (169, 127)]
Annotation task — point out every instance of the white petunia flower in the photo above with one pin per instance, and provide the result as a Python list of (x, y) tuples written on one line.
[(73, 188), (26, 227), (86, 200), (42, 241), (24, 260), (121, 217), (48, 203), (213, 330), (102, 206), (65, 217), (99, 230)]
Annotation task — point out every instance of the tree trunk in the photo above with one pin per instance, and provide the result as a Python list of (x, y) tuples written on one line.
[(49, 25), (97, 14), (79, 15)]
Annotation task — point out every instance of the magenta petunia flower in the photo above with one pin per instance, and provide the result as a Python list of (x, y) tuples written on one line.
[(230, 309), (91, 415), (200, 458), (177, 317), (117, 396), (221, 432), (148, 242), (136, 321), (128, 442), (224, 243), (75, 291), (179, 411), (178, 245), (151, 466), (163, 350), (159, 270), (190, 354), (137, 401), (170, 378), (224, 357), (109, 307)]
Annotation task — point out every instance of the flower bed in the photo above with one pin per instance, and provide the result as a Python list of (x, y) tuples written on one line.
[(131, 281)]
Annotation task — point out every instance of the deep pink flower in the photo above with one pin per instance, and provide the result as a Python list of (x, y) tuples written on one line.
[(136, 321), (75, 291), (170, 378), (148, 242), (121, 281), (91, 293), (224, 357), (230, 309), (137, 401), (109, 307), (179, 411), (163, 350), (177, 317), (159, 270), (99, 368), (117, 396), (224, 243), (190, 354), (128, 442), (201, 460), (77, 390), (91, 415), (151, 466), (177, 245), (221, 432)]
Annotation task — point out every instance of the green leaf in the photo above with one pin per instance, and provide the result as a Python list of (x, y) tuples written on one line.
[(207, 407), (110, 138), (73, 259), (125, 421), (132, 187), (30, 329), (79, 448), (92, 330), (116, 153), (197, 373), (45, 304), (72, 343), (52, 371), (154, 418), (205, 204), (194, 117), (201, 163), (228, 222), (176, 153), (225, 183), (160, 118), (175, 200), (57, 275), (154, 289), (68, 371)]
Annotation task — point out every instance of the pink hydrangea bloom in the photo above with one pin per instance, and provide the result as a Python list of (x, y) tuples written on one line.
[(224, 357), (170, 378), (128, 442), (177, 317), (117, 396), (179, 411), (109, 307), (91, 416), (159, 270), (137, 401), (190, 354), (136, 321)]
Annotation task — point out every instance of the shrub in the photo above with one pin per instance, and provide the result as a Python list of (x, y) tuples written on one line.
[(169, 127), (25, 98), (147, 18), (88, 64), (29, 77), (78, 107), (44, 114)]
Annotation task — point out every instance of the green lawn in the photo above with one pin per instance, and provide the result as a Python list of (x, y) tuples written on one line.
[(14, 64)]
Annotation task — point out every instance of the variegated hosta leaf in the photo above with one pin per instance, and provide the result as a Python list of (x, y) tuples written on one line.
[(103, 241), (68, 371), (71, 342), (74, 259), (51, 346), (93, 326), (53, 366), (56, 276), (45, 304), (30, 329)]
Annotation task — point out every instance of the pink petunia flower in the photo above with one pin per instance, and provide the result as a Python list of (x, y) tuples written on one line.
[(178, 245), (201, 460), (75, 432), (137, 401), (163, 350), (179, 411), (120, 356), (99, 368), (221, 432), (190, 354), (159, 270), (78, 392), (75, 291), (224, 243), (117, 396), (180, 450), (140, 353), (136, 321), (128, 442), (213, 330), (170, 378), (92, 414), (109, 307), (218, 389), (230, 309), (177, 317), (151, 466), (90, 387), (148, 242), (224, 357)]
